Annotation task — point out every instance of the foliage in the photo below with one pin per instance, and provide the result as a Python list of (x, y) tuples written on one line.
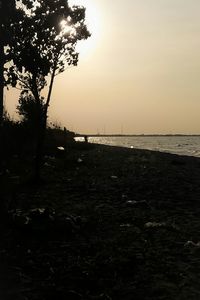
[(45, 41), (27, 109), (10, 17)]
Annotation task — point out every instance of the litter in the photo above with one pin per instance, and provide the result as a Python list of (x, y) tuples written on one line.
[(61, 148), (154, 225), (192, 244)]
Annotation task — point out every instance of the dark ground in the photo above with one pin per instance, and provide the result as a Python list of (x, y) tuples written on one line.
[(107, 223)]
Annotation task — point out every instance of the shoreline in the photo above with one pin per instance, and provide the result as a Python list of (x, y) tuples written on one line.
[(135, 135), (181, 147)]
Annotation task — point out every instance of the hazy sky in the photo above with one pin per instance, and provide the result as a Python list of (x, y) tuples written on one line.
[(140, 70)]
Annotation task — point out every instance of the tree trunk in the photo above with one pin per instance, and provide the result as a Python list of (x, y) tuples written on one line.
[(42, 124), (40, 147), (39, 133)]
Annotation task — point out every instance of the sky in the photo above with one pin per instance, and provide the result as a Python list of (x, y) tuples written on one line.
[(138, 73)]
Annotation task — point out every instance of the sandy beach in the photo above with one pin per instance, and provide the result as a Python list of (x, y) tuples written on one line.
[(107, 223)]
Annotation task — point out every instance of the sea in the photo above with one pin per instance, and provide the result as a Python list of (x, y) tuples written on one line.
[(181, 145)]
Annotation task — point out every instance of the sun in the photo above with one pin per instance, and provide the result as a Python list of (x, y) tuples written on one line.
[(92, 20)]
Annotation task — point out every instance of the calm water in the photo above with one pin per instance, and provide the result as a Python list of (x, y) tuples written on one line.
[(182, 145)]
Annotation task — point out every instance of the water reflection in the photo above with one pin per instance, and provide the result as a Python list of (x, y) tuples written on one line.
[(182, 145)]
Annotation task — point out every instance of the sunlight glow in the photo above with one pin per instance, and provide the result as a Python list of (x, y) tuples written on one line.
[(92, 21), (66, 29)]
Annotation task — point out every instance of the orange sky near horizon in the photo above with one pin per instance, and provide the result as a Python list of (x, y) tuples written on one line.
[(140, 70)]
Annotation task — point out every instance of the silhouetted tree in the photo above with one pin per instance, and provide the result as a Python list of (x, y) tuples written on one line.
[(44, 45), (9, 16)]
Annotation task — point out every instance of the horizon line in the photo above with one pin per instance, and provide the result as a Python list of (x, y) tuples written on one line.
[(133, 134)]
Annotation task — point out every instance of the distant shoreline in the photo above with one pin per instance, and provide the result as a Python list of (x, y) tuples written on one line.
[(136, 135)]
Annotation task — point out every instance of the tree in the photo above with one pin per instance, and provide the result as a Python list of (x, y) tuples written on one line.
[(43, 47), (8, 16)]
